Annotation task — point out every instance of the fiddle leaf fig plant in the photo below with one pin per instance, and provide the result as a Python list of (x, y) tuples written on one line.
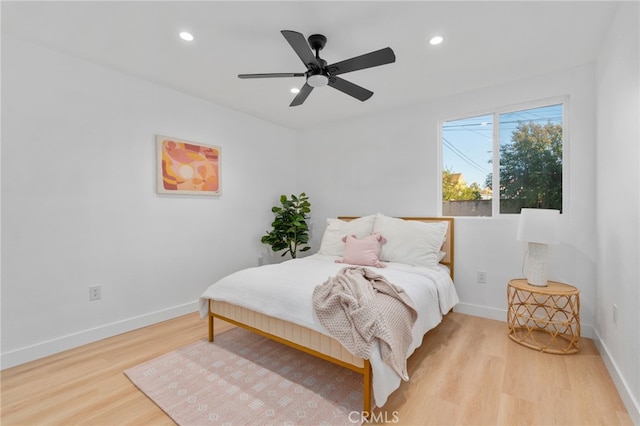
[(290, 231)]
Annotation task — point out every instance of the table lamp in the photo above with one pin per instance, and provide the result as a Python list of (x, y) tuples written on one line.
[(539, 227)]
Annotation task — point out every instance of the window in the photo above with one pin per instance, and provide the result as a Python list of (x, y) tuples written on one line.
[(502, 162)]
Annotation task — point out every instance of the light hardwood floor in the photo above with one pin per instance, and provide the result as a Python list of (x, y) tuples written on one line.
[(467, 372)]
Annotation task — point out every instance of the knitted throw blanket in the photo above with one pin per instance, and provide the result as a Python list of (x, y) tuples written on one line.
[(360, 308)]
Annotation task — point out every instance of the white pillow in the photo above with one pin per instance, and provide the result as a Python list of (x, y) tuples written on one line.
[(337, 229), (410, 241)]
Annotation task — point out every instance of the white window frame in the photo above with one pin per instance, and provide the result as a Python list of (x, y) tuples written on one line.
[(495, 170)]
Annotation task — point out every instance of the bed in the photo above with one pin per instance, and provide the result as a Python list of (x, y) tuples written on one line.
[(275, 300)]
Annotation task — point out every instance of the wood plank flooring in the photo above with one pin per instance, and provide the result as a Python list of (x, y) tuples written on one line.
[(467, 372)]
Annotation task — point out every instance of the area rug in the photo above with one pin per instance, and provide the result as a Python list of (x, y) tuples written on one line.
[(246, 379)]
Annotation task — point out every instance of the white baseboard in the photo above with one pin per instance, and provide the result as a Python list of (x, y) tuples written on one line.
[(481, 311), (586, 330), (631, 404), (50, 347)]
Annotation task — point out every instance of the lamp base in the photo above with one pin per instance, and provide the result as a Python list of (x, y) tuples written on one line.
[(535, 264)]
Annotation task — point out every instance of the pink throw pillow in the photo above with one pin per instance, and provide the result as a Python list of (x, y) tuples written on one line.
[(364, 252)]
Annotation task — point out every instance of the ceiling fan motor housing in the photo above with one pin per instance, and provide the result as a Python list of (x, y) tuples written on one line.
[(317, 77)]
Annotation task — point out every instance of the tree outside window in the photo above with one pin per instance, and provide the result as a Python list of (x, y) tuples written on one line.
[(528, 162), (531, 168)]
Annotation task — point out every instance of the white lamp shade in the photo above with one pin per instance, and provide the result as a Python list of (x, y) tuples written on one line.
[(539, 226)]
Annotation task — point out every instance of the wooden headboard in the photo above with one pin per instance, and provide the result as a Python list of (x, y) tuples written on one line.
[(447, 246)]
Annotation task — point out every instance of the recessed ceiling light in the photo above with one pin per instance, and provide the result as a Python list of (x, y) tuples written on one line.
[(295, 90), (435, 40), (186, 36)]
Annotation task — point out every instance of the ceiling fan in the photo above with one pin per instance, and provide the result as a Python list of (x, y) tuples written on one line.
[(320, 74)]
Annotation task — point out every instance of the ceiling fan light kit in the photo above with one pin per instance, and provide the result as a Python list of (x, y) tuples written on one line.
[(317, 80), (320, 74)]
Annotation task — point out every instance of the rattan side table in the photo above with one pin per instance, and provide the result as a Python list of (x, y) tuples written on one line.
[(544, 318)]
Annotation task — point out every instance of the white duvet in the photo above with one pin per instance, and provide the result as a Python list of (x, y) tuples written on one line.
[(285, 291)]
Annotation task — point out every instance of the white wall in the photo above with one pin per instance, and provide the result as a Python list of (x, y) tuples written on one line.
[(618, 203), (79, 205), (388, 163)]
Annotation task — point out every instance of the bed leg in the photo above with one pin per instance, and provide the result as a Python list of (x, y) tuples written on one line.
[(366, 391), (210, 328)]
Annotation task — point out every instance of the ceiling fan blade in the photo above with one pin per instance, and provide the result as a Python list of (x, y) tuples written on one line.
[(302, 95), (272, 75), (368, 60), (301, 47), (350, 89)]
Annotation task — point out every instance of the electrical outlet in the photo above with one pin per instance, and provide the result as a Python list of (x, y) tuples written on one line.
[(482, 277), (95, 292), (615, 313)]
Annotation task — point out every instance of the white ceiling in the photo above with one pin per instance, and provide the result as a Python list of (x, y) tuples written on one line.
[(485, 43)]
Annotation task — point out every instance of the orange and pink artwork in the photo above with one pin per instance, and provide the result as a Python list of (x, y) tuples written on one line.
[(187, 167)]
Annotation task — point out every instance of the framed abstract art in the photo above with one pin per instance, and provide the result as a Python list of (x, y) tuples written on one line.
[(185, 167)]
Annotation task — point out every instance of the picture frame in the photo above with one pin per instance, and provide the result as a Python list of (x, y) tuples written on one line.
[(187, 168)]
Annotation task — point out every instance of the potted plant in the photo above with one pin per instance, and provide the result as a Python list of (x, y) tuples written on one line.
[(290, 231)]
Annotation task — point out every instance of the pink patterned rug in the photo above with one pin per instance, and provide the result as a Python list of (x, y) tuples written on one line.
[(244, 378)]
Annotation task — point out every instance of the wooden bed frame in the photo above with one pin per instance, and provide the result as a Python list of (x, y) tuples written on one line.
[(311, 341)]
